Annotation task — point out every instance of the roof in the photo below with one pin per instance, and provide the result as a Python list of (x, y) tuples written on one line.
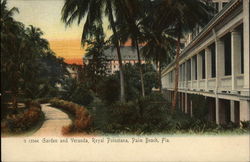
[(127, 53)]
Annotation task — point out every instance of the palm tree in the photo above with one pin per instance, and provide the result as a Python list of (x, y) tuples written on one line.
[(93, 11), (96, 69), (10, 29), (181, 16), (158, 48), (130, 29)]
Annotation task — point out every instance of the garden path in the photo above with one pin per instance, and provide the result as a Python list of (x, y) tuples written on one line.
[(54, 121)]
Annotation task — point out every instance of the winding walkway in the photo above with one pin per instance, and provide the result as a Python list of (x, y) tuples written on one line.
[(54, 121)]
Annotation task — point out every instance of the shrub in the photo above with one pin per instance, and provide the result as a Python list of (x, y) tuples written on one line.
[(43, 100), (82, 95), (245, 124), (25, 120), (109, 90), (81, 117), (143, 115)]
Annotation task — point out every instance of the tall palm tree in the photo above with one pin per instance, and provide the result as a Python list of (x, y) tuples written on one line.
[(10, 29), (132, 13), (93, 11), (159, 49), (181, 16)]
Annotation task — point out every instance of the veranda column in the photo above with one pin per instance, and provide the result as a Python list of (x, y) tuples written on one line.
[(186, 102), (183, 102), (236, 53), (246, 47), (186, 76), (220, 63), (244, 110), (208, 66), (199, 70), (183, 76), (192, 72), (217, 106), (232, 110)]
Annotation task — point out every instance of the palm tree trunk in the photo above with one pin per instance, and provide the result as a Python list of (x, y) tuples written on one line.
[(174, 101), (117, 45), (140, 68)]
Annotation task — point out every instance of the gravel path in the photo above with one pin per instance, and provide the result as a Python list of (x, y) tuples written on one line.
[(54, 121)]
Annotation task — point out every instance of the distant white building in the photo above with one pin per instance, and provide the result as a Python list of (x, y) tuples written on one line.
[(128, 56)]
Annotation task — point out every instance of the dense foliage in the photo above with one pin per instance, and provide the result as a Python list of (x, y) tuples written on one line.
[(81, 118), (27, 118), (29, 68)]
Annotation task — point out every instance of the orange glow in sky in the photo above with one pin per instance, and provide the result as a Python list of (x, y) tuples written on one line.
[(71, 50), (46, 15)]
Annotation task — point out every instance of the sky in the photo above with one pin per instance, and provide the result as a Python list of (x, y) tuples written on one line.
[(46, 14)]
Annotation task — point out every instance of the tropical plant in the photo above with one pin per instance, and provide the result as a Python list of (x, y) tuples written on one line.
[(181, 16), (132, 13), (29, 67), (158, 49), (96, 68), (94, 11)]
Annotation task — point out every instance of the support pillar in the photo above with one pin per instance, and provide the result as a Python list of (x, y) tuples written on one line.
[(191, 108), (186, 102), (217, 104), (246, 40), (186, 74), (208, 64), (199, 70), (236, 50), (183, 102), (232, 111), (244, 110), (192, 72), (220, 63)]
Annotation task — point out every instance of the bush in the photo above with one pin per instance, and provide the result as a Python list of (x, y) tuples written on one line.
[(77, 92), (150, 114), (23, 121), (82, 95), (246, 125), (109, 90), (81, 117), (143, 115), (43, 100)]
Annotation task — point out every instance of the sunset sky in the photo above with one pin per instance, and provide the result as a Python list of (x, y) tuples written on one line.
[(46, 14)]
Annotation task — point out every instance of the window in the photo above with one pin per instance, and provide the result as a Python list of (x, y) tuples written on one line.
[(227, 54), (213, 62), (224, 4), (171, 77), (189, 69), (203, 64), (195, 67)]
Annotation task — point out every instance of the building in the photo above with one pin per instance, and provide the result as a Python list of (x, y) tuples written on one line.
[(128, 56), (215, 65)]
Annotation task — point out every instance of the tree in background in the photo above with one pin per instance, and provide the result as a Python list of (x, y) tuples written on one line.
[(94, 11), (158, 48), (180, 16), (132, 13), (96, 68), (24, 60)]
